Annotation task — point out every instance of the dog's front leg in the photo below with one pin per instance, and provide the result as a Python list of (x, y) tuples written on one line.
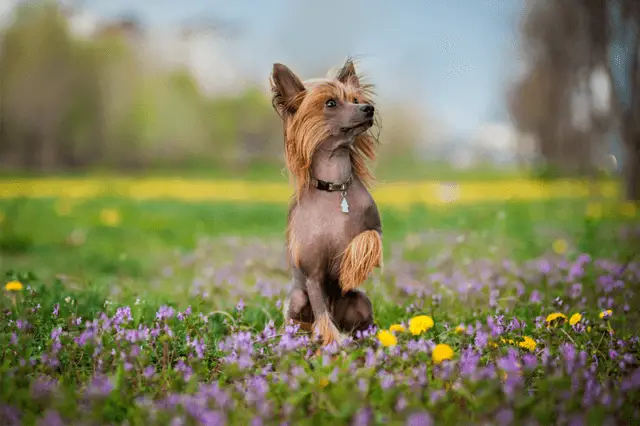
[(297, 308), (323, 324)]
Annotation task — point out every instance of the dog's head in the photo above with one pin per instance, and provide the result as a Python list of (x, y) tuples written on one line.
[(340, 109), (341, 105)]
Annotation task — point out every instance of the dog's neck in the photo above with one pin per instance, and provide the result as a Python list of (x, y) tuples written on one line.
[(332, 161)]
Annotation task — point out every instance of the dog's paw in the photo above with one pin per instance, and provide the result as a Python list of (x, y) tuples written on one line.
[(325, 328), (334, 337)]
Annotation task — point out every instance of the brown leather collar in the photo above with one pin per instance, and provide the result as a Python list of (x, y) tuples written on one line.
[(331, 186)]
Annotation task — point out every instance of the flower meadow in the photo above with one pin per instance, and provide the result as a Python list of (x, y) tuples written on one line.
[(462, 337)]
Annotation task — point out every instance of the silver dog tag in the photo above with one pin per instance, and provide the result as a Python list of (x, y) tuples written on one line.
[(344, 205)]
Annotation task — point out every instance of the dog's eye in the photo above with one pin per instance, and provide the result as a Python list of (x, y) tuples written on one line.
[(355, 101), (331, 103)]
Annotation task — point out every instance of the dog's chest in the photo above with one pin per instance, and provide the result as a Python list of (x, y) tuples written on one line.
[(322, 219)]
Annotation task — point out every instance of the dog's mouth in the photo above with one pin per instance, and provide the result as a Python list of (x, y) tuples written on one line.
[(360, 127)]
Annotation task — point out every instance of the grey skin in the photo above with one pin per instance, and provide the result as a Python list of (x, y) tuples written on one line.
[(323, 231)]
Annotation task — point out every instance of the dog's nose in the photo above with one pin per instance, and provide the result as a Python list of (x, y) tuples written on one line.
[(367, 109)]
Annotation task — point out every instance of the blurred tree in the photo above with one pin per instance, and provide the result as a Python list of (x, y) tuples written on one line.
[(549, 98), (70, 102), (568, 47), (35, 75), (58, 93), (245, 129), (616, 33), (260, 137)]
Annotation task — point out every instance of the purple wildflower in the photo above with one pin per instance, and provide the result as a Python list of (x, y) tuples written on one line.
[(576, 290), (401, 403), (435, 395), (185, 369), (530, 361), (386, 380), (363, 385), (469, 362), (568, 352), (165, 312), (504, 417), (10, 415), (481, 339), (576, 420), (51, 418), (362, 417), (495, 326), (100, 386), (535, 297), (122, 315), (419, 419), (148, 372), (43, 386)]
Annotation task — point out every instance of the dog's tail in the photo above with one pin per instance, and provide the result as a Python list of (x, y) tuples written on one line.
[(362, 254)]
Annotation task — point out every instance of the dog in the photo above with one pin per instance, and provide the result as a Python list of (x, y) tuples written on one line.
[(334, 231)]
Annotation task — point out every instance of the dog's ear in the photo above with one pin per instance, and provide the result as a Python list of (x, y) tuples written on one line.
[(347, 74), (286, 89)]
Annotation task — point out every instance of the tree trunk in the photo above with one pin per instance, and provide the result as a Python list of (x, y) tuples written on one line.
[(632, 166), (31, 148), (48, 152)]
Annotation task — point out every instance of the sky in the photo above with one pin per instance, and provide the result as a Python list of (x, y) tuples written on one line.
[(450, 57), (451, 60)]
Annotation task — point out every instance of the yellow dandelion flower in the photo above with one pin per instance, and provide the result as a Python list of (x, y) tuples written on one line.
[(594, 210), (528, 343), (387, 338), (493, 344), (556, 318), (628, 209), (575, 318), (605, 314), (324, 382), (441, 353), (420, 324), (460, 329), (589, 329), (397, 328), (13, 286), (560, 246), (110, 217)]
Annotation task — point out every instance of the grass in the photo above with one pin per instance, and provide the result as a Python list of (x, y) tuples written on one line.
[(153, 312), (39, 234), (397, 169)]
